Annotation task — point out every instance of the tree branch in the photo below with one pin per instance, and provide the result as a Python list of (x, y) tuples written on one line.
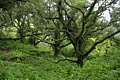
[(98, 42), (74, 7), (65, 45), (3, 38), (90, 9)]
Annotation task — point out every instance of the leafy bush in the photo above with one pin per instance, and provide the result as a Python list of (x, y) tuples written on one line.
[(5, 45), (26, 62), (17, 71), (68, 51), (16, 56)]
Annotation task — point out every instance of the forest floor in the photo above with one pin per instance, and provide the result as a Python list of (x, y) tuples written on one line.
[(26, 62)]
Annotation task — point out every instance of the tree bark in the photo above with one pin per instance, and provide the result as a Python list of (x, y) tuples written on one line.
[(79, 53), (56, 50), (56, 43), (80, 60)]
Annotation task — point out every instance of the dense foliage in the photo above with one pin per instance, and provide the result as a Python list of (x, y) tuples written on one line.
[(50, 39), (26, 62)]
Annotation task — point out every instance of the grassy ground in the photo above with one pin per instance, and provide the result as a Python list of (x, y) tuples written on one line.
[(26, 62)]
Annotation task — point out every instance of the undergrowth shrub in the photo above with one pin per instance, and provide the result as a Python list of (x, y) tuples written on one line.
[(5, 45), (25, 48), (17, 71), (27, 62), (16, 56)]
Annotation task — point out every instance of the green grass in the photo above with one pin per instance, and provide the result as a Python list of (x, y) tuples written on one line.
[(26, 62)]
